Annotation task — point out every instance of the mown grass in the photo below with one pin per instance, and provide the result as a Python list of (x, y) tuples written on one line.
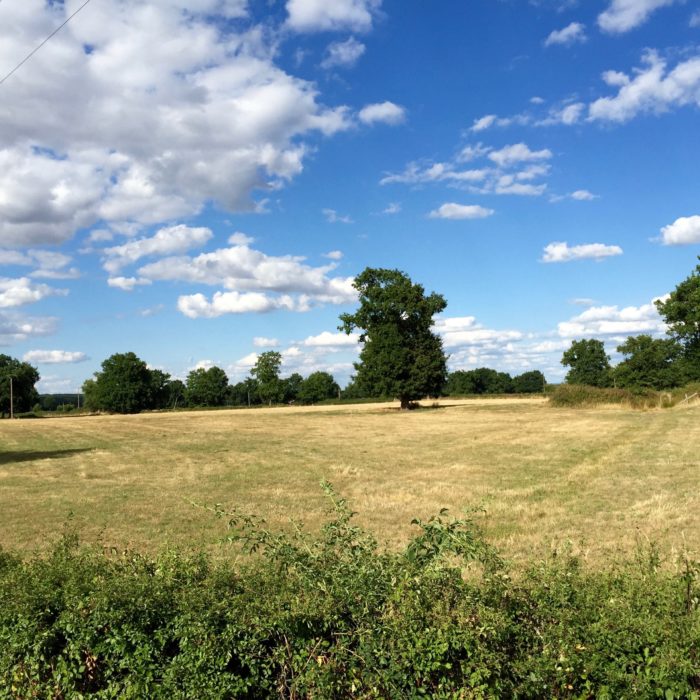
[(602, 478)]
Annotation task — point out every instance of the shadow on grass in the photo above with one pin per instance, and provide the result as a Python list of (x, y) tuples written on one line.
[(15, 457)]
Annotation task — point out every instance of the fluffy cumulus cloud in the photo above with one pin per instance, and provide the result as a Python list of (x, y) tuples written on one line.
[(518, 153), (167, 241), (624, 15), (453, 211), (464, 331), (202, 116), (254, 282), (14, 328), (574, 33), (332, 340), (48, 264), (343, 54), (651, 89), (601, 321), (382, 113), (22, 291), (683, 231), (54, 357), (260, 342), (331, 15), (127, 284), (559, 252)]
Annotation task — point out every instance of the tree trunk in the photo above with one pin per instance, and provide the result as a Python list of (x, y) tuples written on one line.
[(405, 403)]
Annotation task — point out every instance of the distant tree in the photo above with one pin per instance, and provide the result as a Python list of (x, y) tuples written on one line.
[(207, 387), (401, 356), (532, 382), (460, 383), (267, 371), (24, 377), (318, 386), (650, 363), (588, 362), (123, 386), (244, 393), (681, 311), (354, 391), (291, 386), (177, 393), (160, 389)]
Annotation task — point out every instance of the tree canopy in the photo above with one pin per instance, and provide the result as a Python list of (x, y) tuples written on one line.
[(318, 386), (650, 363), (588, 363), (125, 385), (401, 356), (207, 387), (24, 377), (267, 371), (681, 311)]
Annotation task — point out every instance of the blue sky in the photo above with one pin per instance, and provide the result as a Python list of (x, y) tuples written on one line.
[(199, 181)]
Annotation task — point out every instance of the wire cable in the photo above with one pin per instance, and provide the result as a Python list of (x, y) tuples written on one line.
[(48, 38)]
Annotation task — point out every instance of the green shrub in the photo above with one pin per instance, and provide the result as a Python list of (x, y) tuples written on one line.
[(334, 616), (571, 395)]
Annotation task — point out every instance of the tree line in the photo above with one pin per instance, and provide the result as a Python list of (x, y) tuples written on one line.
[(401, 358), (649, 363)]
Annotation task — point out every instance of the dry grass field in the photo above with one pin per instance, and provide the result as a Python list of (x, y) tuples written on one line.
[(603, 479)]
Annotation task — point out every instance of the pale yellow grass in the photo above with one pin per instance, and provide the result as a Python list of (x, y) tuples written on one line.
[(601, 478)]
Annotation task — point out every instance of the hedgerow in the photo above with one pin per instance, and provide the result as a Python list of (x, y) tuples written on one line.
[(332, 615)]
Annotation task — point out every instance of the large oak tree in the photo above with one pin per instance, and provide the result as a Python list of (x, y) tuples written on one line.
[(401, 356)]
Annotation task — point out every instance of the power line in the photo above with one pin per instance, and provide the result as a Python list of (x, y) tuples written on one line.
[(48, 38)]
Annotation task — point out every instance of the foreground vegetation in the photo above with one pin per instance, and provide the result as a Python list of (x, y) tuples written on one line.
[(332, 616)]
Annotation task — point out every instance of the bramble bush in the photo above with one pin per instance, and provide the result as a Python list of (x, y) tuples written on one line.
[(332, 615)]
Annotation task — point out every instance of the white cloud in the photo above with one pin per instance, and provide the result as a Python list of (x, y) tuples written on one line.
[(518, 153), (14, 328), (334, 255), (243, 269), (167, 241), (464, 331), (516, 166), (127, 283), (331, 15), (683, 231), (54, 357), (561, 252), (217, 119), (382, 113), (332, 217), (450, 210), (695, 19), (652, 89), (624, 15), (198, 306), (567, 115), (239, 238), (583, 196), (332, 340), (49, 264), (483, 123), (574, 33), (393, 208), (22, 291), (576, 195), (613, 321), (260, 342), (343, 53)]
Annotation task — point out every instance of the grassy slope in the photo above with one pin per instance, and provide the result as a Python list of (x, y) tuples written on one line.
[(600, 477)]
